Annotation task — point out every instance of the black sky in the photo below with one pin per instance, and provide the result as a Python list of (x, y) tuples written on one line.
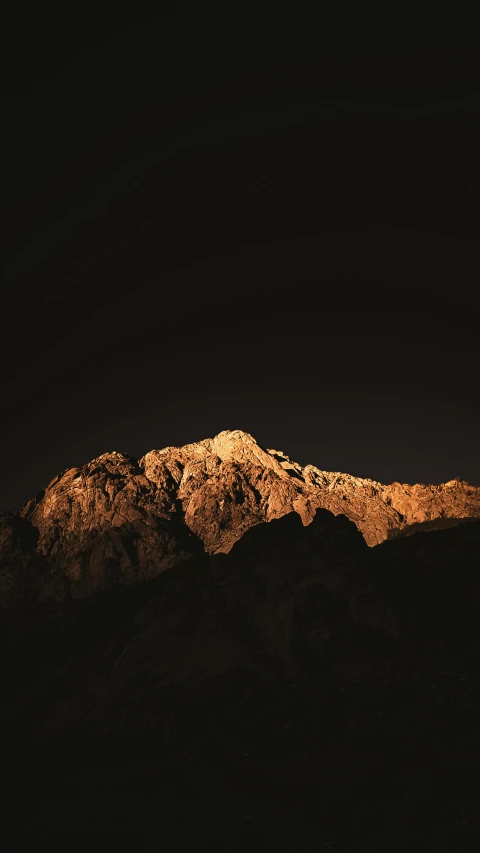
[(249, 225)]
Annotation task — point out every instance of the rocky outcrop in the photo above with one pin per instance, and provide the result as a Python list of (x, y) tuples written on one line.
[(228, 483), (118, 519), (106, 523)]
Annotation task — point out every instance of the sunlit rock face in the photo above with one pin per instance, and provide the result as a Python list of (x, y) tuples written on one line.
[(228, 483), (107, 522), (118, 519)]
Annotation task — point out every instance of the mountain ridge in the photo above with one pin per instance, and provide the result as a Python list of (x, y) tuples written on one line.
[(119, 519), (239, 446), (148, 678)]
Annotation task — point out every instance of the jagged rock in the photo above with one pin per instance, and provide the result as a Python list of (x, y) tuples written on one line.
[(117, 519), (228, 483), (106, 523)]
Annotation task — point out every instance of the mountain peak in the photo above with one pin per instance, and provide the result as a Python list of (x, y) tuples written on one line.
[(119, 517)]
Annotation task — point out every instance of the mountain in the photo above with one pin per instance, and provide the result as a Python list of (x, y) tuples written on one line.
[(118, 519), (300, 691), (177, 673)]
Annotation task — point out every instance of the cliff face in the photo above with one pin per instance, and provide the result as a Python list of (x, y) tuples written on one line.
[(117, 519)]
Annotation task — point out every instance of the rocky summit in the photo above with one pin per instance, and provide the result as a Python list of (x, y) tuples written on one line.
[(118, 519)]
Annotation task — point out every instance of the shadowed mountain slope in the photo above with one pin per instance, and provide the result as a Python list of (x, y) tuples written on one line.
[(252, 698)]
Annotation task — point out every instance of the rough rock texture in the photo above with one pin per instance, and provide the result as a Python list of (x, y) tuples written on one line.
[(117, 519), (228, 483), (105, 523)]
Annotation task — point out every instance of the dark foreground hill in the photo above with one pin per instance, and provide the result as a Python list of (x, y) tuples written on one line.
[(303, 692)]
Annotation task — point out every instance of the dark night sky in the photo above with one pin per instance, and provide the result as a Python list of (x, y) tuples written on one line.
[(270, 229)]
